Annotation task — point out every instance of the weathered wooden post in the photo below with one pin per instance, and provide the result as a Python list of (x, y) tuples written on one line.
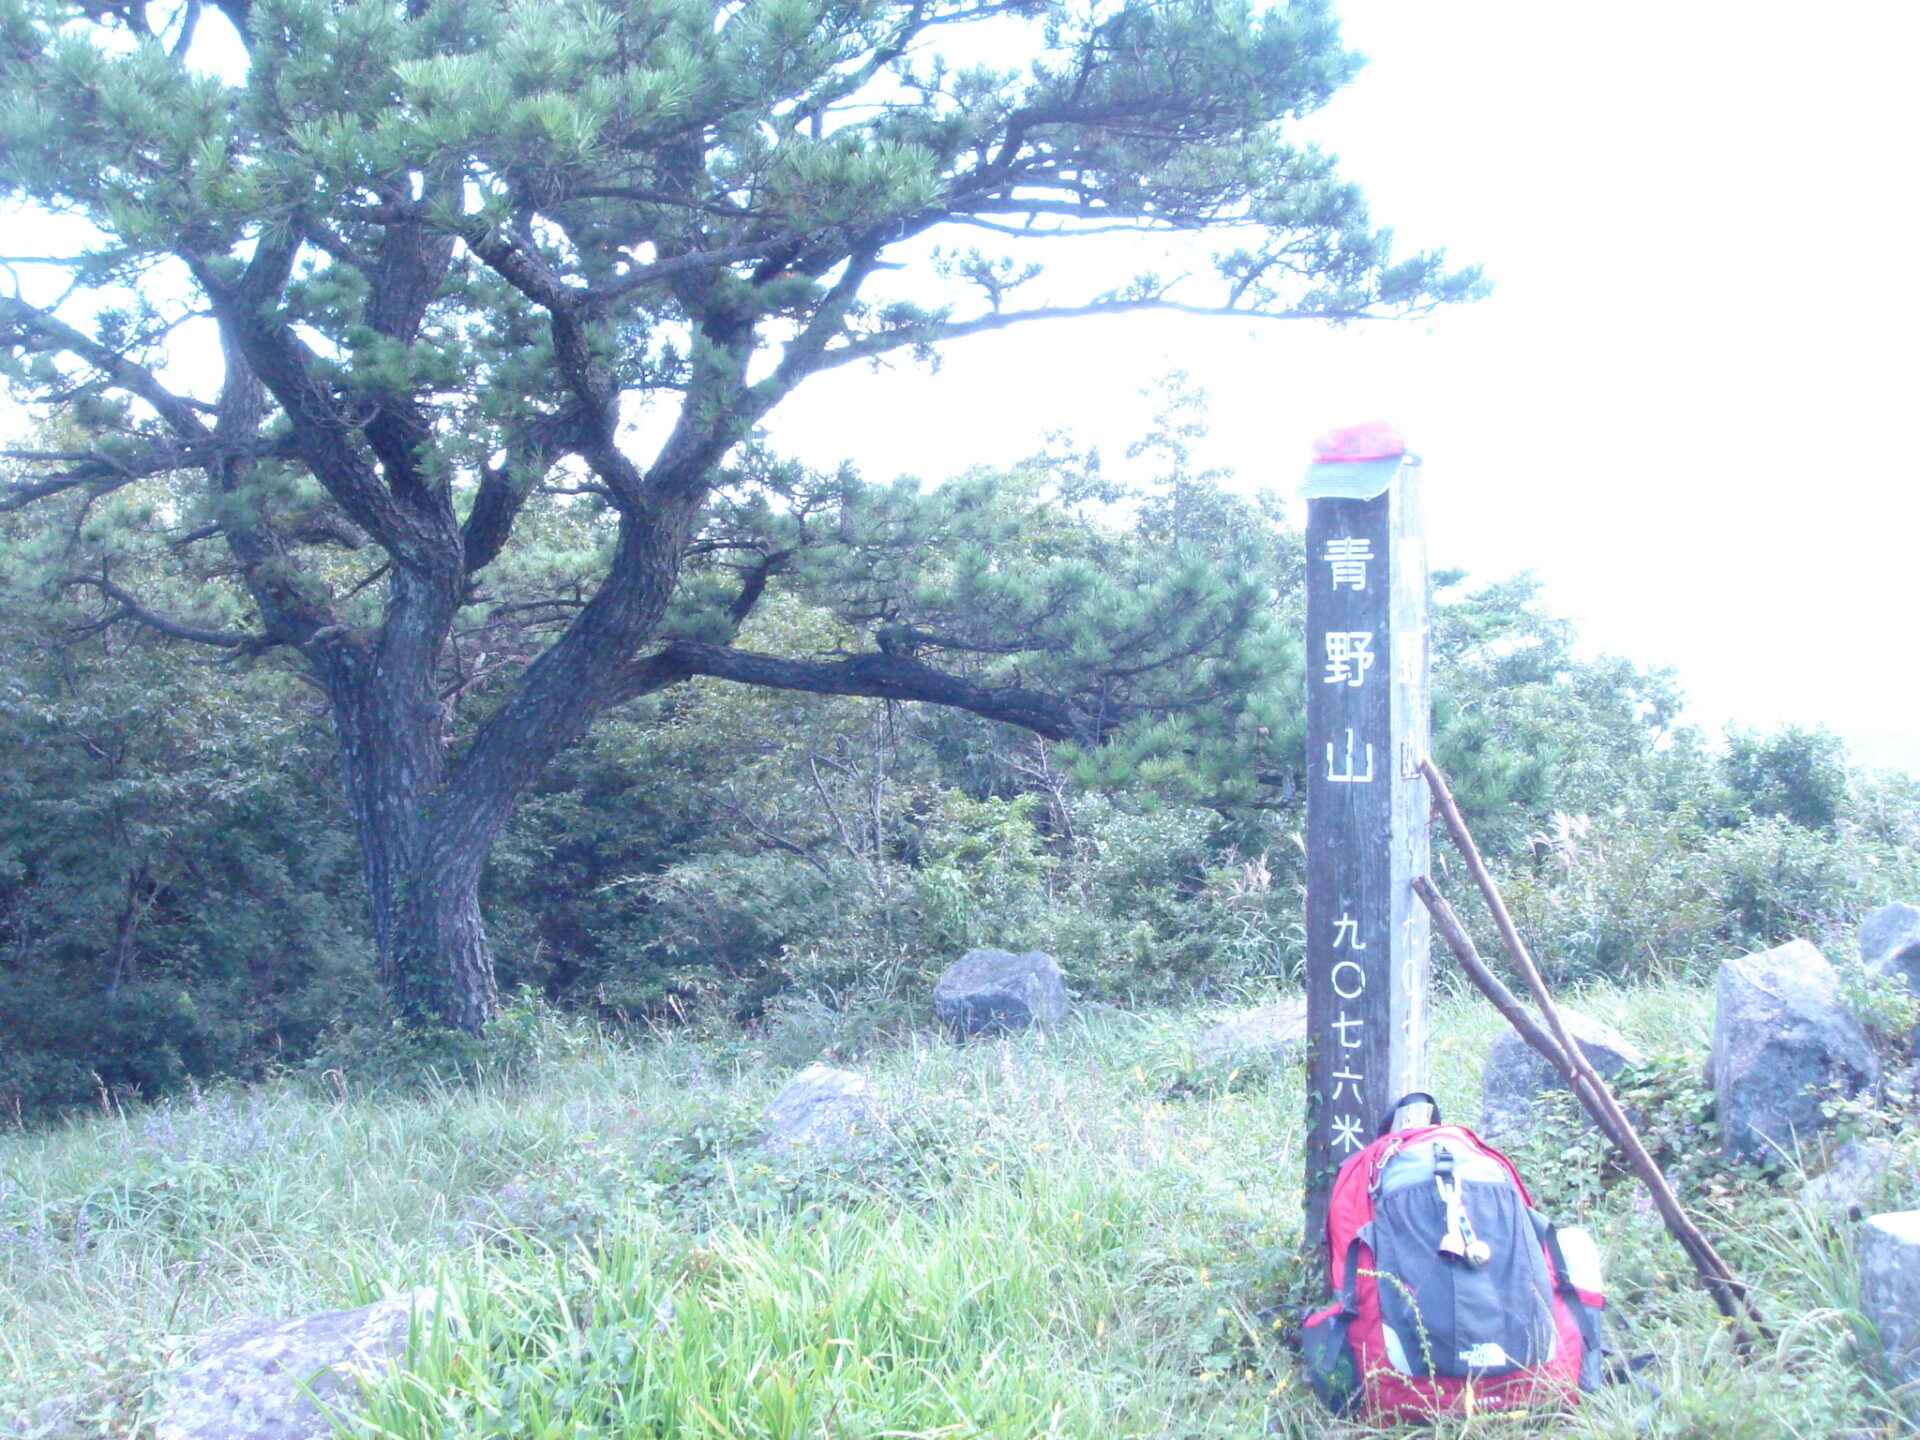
[(1368, 715)]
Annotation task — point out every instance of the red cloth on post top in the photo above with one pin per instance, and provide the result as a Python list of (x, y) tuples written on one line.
[(1375, 440)]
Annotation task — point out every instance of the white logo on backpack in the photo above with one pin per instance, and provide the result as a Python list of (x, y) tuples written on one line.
[(1484, 1356)]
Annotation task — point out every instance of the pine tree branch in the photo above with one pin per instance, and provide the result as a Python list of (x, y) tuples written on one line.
[(102, 471), (806, 353), (189, 25), (24, 324), (691, 262), (504, 488), (293, 611), (939, 331), (409, 263), (323, 437), (639, 195), (132, 609), (1062, 232), (755, 585), (570, 315), (876, 676)]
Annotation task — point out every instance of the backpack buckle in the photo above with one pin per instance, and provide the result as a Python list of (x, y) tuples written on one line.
[(1387, 1152)]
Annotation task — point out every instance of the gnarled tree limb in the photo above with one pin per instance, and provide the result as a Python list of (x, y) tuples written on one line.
[(132, 609), (877, 676)]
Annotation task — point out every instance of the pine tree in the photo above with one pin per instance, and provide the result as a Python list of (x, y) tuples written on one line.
[(447, 248)]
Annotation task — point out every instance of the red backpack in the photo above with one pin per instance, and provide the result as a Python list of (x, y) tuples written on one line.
[(1452, 1292)]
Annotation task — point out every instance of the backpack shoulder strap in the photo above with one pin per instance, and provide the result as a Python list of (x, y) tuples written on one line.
[(1586, 1318), (1350, 1279)]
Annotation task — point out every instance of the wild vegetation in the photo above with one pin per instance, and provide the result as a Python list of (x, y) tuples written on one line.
[(586, 1184), (456, 260), (453, 636), (618, 1254), (180, 895)]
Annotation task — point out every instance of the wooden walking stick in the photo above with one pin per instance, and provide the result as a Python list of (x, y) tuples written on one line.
[(1558, 1046)]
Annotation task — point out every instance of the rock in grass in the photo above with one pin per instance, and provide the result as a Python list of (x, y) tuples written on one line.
[(1889, 1253), (990, 992), (1270, 1034), (1890, 941), (267, 1380), (1516, 1075), (1890, 945), (1857, 1173), (49, 1420), (1782, 1044), (827, 1111)]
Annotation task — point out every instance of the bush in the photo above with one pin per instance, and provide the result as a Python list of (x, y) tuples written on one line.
[(179, 897), (376, 1054), (1631, 894), (1136, 902)]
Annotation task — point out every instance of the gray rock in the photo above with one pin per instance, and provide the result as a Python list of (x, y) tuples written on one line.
[(1890, 945), (830, 1111), (1516, 1075), (989, 992), (1857, 1174), (1889, 1253), (267, 1380), (1782, 1044), (53, 1419), (1890, 941), (1272, 1033)]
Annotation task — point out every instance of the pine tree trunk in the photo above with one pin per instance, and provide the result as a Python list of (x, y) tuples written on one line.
[(422, 880), (423, 890), (424, 833), (439, 968)]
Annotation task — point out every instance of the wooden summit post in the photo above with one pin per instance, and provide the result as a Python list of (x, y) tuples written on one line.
[(1368, 717)]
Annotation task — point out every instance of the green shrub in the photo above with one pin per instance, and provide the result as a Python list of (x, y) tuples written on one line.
[(1618, 895), (375, 1053)]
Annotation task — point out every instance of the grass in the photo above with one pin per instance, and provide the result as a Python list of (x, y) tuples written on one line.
[(1076, 1236)]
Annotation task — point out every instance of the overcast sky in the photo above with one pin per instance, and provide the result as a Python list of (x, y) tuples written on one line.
[(1685, 405)]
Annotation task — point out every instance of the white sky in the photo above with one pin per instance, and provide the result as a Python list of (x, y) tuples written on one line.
[(1684, 405)]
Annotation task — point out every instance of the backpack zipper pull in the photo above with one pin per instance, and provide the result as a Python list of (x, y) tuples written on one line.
[(1458, 1240), (1452, 1241)]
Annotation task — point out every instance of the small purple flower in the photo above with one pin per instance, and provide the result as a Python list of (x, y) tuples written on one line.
[(160, 1131)]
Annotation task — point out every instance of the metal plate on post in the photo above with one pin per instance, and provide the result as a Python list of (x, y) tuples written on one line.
[(1352, 479)]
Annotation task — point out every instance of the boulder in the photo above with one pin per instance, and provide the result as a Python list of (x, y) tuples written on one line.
[(1890, 945), (1889, 1253), (830, 1111), (1516, 1075), (1858, 1173), (1271, 1033), (49, 1420), (1890, 942), (1782, 1044), (989, 992), (267, 1380)]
